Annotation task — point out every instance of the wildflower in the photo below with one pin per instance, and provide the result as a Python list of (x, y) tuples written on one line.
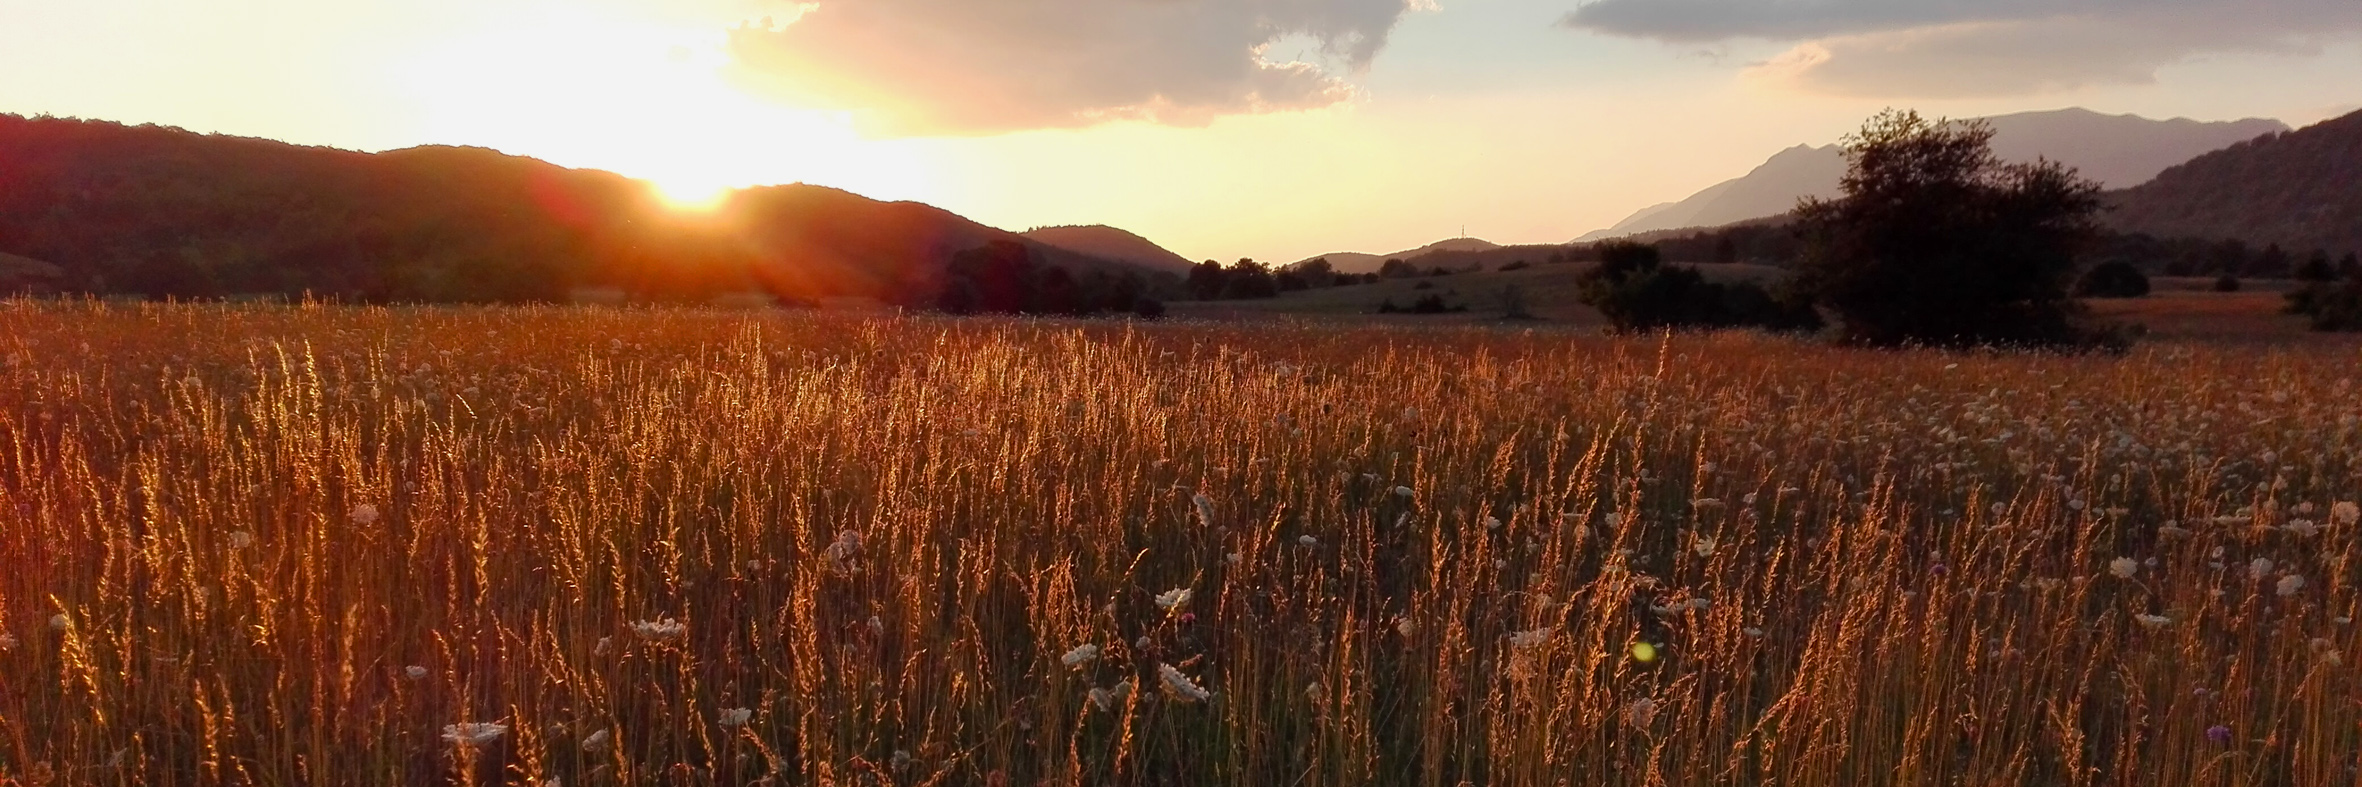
[(414, 672), (1492, 523), (1706, 502), (1171, 599), (1205, 508), (1522, 640), (363, 514), (241, 540), (2259, 568), (1308, 541), (845, 549), (60, 622), (2302, 527), (1102, 698), (1703, 545), (2289, 585), (736, 717), (2344, 512), (1180, 685), (1405, 627), (1233, 558), (596, 741), (2171, 530), (474, 733), (606, 645), (2219, 734), (1402, 491), (901, 760), (659, 630), (2153, 621), (1748, 498), (2124, 567), (1752, 632), (1640, 712), (877, 626), (1079, 656)]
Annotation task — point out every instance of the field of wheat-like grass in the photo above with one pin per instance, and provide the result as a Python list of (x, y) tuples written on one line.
[(346, 546)]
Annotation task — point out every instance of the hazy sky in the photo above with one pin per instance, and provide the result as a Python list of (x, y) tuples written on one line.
[(1272, 129)]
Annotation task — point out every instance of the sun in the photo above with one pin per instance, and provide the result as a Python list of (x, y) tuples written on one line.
[(691, 193)]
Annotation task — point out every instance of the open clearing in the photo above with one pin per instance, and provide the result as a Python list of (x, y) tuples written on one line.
[(263, 545)]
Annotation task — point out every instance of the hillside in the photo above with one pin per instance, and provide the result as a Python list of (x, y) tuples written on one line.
[(2117, 150), (1110, 243), (2301, 190), (161, 211), (1360, 262)]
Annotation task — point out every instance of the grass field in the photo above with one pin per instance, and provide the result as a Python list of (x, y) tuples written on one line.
[(590, 546)]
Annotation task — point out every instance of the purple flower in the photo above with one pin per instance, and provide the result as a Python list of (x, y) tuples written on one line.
[(1938, 569), (1188, 618), (2219, 734)]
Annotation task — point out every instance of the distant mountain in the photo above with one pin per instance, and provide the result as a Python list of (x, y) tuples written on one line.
[(2116, 150), (1358, 262), (21, 274), (166, 212), (2301, 190), (1109, 243)]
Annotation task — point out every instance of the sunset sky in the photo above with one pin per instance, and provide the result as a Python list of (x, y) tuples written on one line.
[(1272, 129)]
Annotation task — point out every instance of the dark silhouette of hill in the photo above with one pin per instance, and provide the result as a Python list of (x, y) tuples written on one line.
[(1110, 243), (1359, 262), (24, 274), (2116, 150), (160, 211), (2300, 190)]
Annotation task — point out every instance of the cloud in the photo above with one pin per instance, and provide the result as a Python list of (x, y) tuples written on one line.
[(1957, 48), (927, 67)]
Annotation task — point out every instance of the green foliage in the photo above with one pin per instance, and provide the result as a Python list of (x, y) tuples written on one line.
[(2112, 279), (1935, 241), (1635, 291)]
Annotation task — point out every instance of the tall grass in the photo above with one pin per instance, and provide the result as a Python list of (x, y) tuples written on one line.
[(301, 546)]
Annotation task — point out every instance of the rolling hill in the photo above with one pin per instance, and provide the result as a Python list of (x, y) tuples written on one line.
[(2301, 190), (159, 211), (1110, 243), (2116, 150), (1359, 262)]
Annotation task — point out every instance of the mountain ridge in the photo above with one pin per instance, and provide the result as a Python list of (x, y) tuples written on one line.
[(2117, 150), (2300, 189)]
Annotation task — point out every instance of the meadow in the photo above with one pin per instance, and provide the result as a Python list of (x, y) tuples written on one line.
[(594, 546)]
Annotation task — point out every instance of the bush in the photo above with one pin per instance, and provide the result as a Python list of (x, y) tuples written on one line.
[(2226, 283), (2112, 279), (1635, 291), (1935, 241)]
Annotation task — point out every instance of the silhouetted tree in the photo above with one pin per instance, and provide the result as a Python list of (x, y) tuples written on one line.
[(2112, 279), (1935, 241), (1634, 289)]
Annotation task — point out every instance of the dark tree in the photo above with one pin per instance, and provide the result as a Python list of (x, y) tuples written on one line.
[(2112, 279), (1635, 290), (1207, 280), (1248, 279), (2316, 268), (2226, 283), (1935, 241)]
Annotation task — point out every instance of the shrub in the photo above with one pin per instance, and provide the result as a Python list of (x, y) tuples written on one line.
[(1635, 291), (2226, 283), (2112, 279)]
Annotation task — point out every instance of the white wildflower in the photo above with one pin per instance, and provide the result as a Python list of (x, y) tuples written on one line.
[(1180, 685), (2289, 585), (1706, 502), (1492, 523), (1308, 541), (2344, 512), (659, 630), (1402, 491), (606, 645), (1405, 627), (1102, 698), (1522, 640), (1233, 558), (1172, 599), (1317, 693), (1082, 654), (414, 672), (736, 717), (241, 540), (596, 741), (845, 549), (2153, 621), (363, 514), (60, 622), (1752, 632), (474, 733), (1205, 508), (1703, 545), (2259, 568), (1640, 712), (2124, 567)]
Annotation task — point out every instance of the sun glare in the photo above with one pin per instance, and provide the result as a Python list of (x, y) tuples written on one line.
[(649, 102)]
